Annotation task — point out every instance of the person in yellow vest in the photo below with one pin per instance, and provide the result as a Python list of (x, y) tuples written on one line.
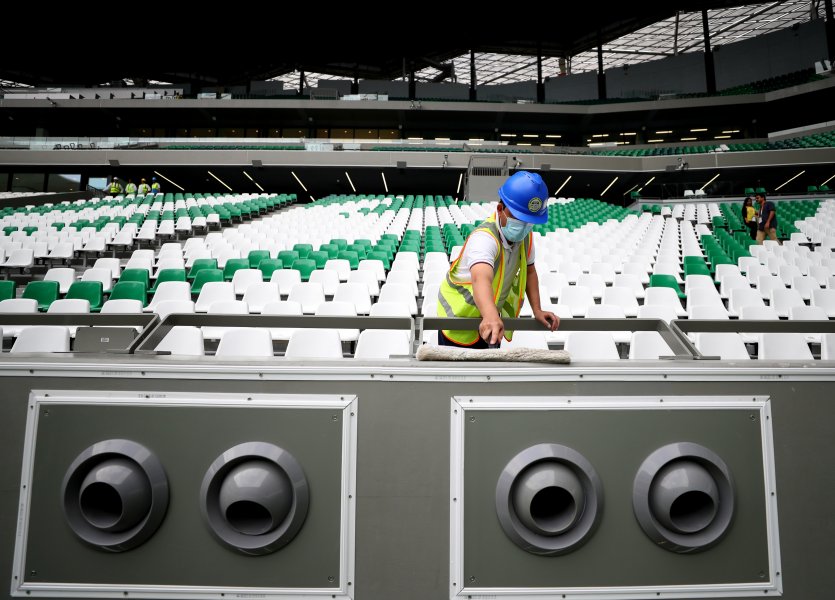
[(115, 187), (144, 188), (496, 267), (130, 188), (155, 187)]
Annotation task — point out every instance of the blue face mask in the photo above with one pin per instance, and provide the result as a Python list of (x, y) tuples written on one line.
[(516, 230)]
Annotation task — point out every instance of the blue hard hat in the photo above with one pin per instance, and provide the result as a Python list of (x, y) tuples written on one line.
[(526, 196)]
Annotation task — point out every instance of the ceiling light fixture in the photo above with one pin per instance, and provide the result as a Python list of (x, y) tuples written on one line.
[(182, 189), (610, 185), (709, 182), (220, 180), (792, 179), (299, 180), (563, 185)]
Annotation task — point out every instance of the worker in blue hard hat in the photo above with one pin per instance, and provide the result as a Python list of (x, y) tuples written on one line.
[(155, 187), (495, 269)]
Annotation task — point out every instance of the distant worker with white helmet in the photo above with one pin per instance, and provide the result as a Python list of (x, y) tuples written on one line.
[(496, 267), (144, 188)]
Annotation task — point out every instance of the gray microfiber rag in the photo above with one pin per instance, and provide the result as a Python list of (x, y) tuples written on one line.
[(427, 352)]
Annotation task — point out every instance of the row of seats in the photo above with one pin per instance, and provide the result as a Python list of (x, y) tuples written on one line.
[(378, 344)]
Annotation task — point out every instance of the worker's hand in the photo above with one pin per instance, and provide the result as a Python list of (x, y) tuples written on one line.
[(491, 330), (547, 318)]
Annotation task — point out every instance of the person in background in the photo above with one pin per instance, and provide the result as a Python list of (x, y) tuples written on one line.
[(144, 188), (130, 188), (155, 187), (496, 267), (768, 219), (115, 187), (749, 217)]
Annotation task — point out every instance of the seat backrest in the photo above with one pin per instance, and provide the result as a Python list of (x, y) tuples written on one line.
[(243, 278), (381, 344), (664, 295), (70, 305), (123, 305), (648, 345), (65, 276), (783, 346), (286, 279), (806, 313), (368, 277), (314, 343), (170, 290), (19, 305), (166, 307), (828, 346), (214, 291), (657, 311), (259, 294), (42, 338), (251, 342), (591, 345), (398, 292), (752, 312), (726, 345), (309, 295), (183, 341), (328, 278), (743, 296), (45, 292), (357, 293), (89, 290)]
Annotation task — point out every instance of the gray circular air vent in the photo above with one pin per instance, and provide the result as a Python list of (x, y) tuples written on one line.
[(549, 499), (683, 497), (115, 495), (255, 498)]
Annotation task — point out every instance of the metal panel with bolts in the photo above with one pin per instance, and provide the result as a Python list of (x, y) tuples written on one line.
[(612, 497), (256, 491)]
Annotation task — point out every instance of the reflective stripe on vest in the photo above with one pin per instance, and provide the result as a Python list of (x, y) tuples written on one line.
[(455, 298)]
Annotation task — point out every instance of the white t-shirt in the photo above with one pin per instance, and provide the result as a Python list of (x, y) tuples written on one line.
[(481, 247)]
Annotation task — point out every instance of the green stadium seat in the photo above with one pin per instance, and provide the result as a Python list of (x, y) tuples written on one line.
[(303, 249), (7, 289), (268, 266), (660, 280), (140, 275), (203, 277), (131, 290), (256, 256), (288, 257), (45, 292), (167, 275), (305, 266), (92, 291), (200, 264), (232, 265)]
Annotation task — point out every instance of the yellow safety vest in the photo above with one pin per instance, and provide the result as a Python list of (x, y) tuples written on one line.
[(155, 187), (455, 298), (115, 188)]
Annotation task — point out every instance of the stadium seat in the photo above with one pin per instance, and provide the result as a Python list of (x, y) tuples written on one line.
[(42, 338), (314, 343)]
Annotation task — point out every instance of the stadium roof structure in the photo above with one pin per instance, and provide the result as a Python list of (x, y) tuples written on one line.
[(432, 44)]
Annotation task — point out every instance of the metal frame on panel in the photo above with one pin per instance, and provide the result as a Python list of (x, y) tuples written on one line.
[(147, 321), (39, 398), (460, 405)]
